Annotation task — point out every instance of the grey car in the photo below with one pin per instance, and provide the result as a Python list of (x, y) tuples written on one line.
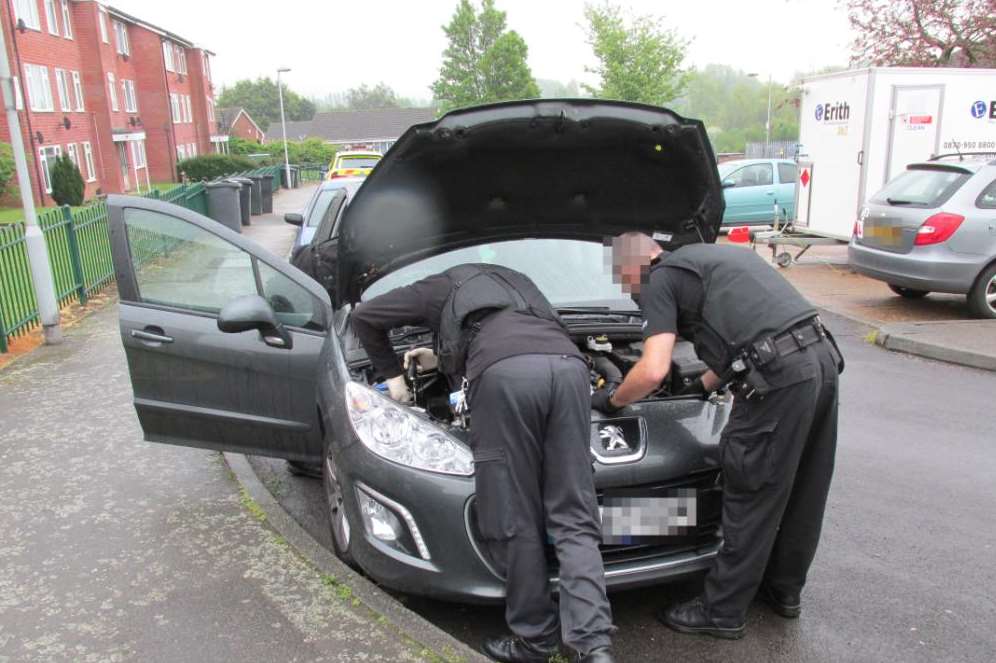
[(933, 229), (230, 347), (318, 208)]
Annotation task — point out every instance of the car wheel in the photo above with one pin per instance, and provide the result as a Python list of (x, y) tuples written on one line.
[(342, 528), (982, 297), (908, 293)]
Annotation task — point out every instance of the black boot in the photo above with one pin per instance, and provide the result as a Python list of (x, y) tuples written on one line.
[(597, 655), (513, 649), (691, 617), (787, 605)]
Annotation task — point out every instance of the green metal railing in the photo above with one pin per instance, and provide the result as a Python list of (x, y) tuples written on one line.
[(79, 251)]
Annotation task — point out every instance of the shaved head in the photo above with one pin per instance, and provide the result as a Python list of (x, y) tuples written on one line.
[(631, 254)]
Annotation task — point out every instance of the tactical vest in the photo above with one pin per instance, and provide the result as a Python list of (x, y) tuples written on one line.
[(744, 298), (478, 291)]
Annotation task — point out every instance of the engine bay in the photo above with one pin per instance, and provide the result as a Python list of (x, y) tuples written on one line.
[(609, 356)]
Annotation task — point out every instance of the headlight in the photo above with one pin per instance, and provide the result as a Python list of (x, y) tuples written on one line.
[(393, 432)]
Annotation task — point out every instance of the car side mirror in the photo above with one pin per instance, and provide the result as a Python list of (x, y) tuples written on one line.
[(294, 218), (253, 312), (729, 184)]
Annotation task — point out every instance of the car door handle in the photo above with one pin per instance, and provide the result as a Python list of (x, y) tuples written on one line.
[(151, 334), (770, 193)]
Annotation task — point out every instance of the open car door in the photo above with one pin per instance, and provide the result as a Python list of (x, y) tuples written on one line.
[(182, 277)]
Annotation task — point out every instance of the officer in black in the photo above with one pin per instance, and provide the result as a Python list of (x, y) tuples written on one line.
[(529, 398), (757, 333)]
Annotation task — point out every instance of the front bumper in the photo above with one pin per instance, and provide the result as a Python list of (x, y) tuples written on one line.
[(934, 268), (458, 569)]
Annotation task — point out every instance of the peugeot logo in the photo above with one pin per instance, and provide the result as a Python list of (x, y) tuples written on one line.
[(613, 439)]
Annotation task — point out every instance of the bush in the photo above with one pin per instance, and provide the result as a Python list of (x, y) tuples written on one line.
[(7, 179), (307, 151), (210, 166), (67, 183)]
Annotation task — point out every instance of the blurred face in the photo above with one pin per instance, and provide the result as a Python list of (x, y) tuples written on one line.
[(629, 257)]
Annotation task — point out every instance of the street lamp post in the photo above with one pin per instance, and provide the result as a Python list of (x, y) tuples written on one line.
[(34, 240), (767, 120), (283, 124)]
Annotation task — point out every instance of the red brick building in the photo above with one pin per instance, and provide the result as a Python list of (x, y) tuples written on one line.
[(238, 122), (123, 98)]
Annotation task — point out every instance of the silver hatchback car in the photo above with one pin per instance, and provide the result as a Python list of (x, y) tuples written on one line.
[(933, 229)]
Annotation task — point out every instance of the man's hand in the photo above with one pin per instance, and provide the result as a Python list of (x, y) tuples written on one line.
[(601, 400), (398, 389), (424, 358)]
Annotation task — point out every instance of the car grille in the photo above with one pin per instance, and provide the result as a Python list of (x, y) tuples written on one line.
[(705, 535)]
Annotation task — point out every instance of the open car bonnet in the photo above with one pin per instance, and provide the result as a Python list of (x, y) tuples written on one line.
[(573, 169)]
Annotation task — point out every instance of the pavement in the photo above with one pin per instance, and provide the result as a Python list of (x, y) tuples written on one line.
[(937, 326), (114, 549)]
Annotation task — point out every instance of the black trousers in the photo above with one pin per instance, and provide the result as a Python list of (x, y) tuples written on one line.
[(530, 433), (777, 454)]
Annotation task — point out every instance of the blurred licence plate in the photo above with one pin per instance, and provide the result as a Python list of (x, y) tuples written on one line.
[(628, 520)]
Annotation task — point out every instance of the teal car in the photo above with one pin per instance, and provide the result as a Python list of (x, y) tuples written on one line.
[(752, 188)]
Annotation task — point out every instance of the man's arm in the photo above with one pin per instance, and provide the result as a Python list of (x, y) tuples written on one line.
[(648, 373)]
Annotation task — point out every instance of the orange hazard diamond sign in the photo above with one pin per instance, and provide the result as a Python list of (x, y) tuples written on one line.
[(804, 178)]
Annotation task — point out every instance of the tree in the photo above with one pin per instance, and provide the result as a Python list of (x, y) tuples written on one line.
[(260, 98), (484, 61), (553, 89), (638, 59), (67, 183), (7, 184), (365, 97), (926, 33)]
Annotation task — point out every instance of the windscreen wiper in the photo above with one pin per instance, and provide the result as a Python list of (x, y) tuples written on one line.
[(898, 201)]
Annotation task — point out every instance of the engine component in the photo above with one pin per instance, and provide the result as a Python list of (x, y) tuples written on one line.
[(599, 343)]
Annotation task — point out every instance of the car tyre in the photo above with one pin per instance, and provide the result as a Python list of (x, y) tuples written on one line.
[(908, 293), (341, 527), (982, 296)]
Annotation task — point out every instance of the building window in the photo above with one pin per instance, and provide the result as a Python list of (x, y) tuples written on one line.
[(187, 116), (53, 25), (121, 37), (130, 100), (27, 11), (210, 109), (102, 22), (39, 88), (174, 106), (74, 155), (78, 91), (206, 66), (18, 99), (112, 91), (62, 84), (47, 157), (181, 152), (192, 149), (138, 153), (67, 26), (168, 56), (91, 172), (181, 59)]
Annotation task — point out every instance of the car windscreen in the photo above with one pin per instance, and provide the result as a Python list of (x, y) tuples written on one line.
[(568, 272), (358, 162), (921, 188)]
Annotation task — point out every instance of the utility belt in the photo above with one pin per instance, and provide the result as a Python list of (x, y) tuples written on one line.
[(748, 381)]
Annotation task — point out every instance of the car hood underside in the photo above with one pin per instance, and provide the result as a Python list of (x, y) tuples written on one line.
[(575, 169)]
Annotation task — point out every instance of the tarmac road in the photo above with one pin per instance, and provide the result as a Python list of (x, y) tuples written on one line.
[(905, 570)]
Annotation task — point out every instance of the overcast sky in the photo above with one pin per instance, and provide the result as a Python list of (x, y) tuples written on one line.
[(334, 45)]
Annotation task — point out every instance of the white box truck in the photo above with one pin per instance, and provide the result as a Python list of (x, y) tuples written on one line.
[(860, 128)]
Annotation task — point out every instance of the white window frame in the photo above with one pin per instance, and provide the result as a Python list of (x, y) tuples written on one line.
[(102, 20), (174, 107), (192, 149), (62, 85), (27, 11), (50, 17), (39, 88), (91, 172), (74, 154), (130, 98), (168, 58), (67, 21), (190, 113), (210, 108), (112, 89), (181, 152), (43, 160), (206, 66), (138, 154), (78, 91), (121, 37), (181, 59)]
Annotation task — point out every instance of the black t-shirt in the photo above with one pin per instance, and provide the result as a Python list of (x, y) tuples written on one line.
[(502, 335)]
